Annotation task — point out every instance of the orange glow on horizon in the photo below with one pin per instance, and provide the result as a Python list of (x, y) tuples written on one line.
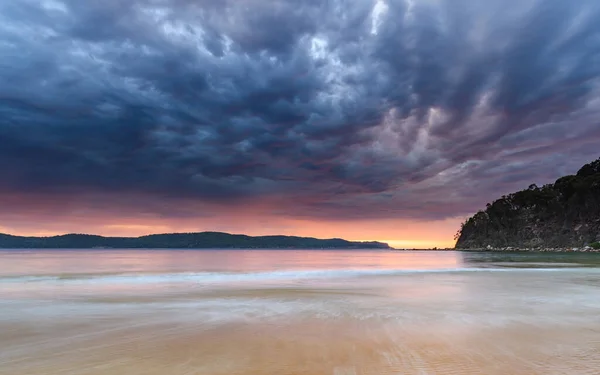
[(396, 232)]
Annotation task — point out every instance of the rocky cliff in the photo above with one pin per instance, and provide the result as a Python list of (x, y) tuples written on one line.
[(559, 215)]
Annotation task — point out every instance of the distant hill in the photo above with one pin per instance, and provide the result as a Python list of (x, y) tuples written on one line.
[(204, 240), (563, 214)]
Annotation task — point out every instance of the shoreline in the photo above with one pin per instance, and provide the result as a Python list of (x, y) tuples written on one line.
[(578, 250)]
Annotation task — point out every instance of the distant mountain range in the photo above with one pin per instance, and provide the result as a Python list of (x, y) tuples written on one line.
[(563, 214), (203, 240)]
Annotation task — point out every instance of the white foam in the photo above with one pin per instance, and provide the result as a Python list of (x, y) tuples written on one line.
[(225, 277)]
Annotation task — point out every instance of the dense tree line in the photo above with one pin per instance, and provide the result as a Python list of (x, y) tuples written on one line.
[(204, 240), (565, 213)]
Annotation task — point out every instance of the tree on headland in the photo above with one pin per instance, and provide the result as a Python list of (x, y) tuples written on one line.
[(565, 213)]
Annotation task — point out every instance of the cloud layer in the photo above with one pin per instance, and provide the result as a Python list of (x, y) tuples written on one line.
[(421, 109)]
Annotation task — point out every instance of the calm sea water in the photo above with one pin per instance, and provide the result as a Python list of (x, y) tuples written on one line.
[(298, 312)]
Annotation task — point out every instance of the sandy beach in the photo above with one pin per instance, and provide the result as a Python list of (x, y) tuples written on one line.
[(458, 317)]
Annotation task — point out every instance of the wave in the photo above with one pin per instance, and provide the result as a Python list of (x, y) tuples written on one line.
[(224, 277)]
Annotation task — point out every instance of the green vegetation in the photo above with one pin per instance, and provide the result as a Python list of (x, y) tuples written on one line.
[(595, 245), (204, 240), (566, 213)]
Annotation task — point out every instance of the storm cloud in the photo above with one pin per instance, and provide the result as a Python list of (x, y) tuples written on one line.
[(420, 109)]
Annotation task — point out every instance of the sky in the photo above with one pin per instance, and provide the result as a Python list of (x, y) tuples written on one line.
[(389, 120)]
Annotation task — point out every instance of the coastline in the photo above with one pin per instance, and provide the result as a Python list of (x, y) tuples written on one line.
[(193, 240), (333, 313), (585, 249)]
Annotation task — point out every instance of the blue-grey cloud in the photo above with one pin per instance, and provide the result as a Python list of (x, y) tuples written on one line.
[(362, 108)]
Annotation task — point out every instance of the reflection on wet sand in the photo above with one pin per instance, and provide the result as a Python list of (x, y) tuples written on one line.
[(308, 346), (442, 318)]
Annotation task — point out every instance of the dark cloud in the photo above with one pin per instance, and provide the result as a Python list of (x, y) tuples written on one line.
[(389, 108)]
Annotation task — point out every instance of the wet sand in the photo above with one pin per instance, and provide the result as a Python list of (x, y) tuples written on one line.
[(517, 321), (308, 346)]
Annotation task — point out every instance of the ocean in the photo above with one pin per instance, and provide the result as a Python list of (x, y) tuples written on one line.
[(298, 312)]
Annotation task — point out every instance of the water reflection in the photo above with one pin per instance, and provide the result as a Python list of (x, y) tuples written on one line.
[(155, 261), (523, 259), (297, 312)]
